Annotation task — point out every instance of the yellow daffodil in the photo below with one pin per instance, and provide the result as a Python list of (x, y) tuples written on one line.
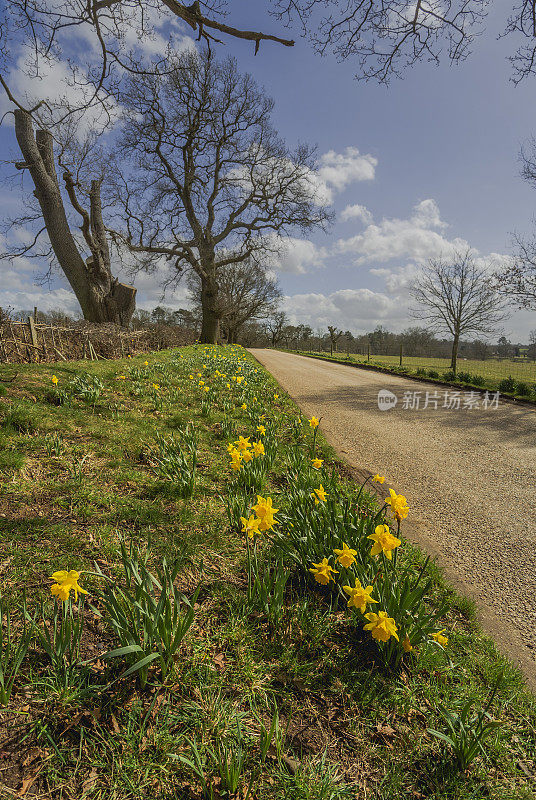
[(406, 644), (247, 456), (243, 443), (379, 478), (440, 638), (191, 377), (64, 582), (121, 377), (346, 556), (250, 526), (381, 626), (236, 458), (399, 505), (384, 541), (201, 383), (323, 572), (261, 430), (206, 389), (266, 513), (228, 385), (258, 449), (317, 463), (359, 596), (54, 380), (243, 407), (145, 363), (156, 386), (276, 397), (313, 422), (319, 495)]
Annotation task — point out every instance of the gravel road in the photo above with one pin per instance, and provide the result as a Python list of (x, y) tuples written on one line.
[(469, 475)]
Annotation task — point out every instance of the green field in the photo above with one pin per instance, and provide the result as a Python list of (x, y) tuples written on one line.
[(493, 370)]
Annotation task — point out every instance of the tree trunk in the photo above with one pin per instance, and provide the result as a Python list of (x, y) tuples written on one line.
[(101, 297), (210, 326), (454, 357)]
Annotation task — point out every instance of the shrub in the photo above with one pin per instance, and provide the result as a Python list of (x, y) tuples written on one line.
[(523, 389), (478, 380), (508, 384), (465, 377), (449, 375), (421, 371), (432, 373)]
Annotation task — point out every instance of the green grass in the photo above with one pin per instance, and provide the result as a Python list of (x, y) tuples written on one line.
[(349, 728), (486, 374)]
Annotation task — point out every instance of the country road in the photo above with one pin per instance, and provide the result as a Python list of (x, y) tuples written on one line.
[(469, 475)]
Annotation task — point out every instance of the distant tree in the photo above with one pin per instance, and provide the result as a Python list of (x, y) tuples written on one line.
[(417, 341), (456, 296), (334, 336), (275, 326), (531, 351)]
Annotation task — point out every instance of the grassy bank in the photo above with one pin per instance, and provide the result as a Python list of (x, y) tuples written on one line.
[(126, 470)]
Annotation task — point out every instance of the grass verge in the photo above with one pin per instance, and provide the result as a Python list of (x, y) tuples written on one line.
[(275, 691)]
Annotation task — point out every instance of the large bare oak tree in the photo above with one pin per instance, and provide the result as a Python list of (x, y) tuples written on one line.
[(203, 179)]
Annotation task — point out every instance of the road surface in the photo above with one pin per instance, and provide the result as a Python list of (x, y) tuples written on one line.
[(469, 475)]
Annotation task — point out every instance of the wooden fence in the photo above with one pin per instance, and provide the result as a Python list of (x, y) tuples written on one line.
[(35, 342)]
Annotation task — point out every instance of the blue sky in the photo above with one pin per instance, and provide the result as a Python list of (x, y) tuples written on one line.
[(413, 169)]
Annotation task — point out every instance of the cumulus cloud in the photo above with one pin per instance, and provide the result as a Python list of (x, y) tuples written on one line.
[(419, 237), (296, 256), (339, 170), (356, 212), (353, 309)]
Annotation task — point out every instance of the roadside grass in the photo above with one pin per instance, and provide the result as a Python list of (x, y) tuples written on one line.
[(287, 701)]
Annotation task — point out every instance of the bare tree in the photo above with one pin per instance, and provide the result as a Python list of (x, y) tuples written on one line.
[(275, 325), (205, 181), (246, 293), (457, 297), (384, 36), (101, 296), (334, 336), (517, 279)]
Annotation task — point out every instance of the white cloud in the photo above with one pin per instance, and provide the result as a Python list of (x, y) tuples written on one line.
[(296, 256), (353, 309), (356, 212), (420, 237), (339, 170)]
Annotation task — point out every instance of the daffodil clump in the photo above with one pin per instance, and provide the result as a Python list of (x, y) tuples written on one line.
[(354, 556)]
